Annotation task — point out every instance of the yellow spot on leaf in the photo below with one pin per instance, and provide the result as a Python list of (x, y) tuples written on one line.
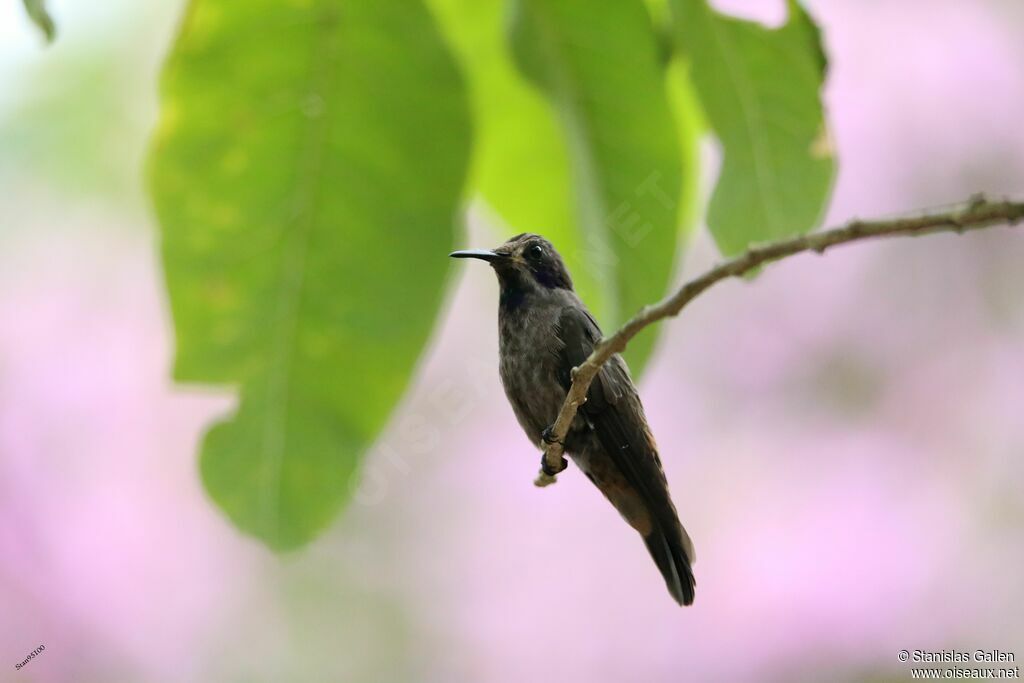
[(207, 18), (822, 147)]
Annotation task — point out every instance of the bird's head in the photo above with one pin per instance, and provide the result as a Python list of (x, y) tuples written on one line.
[(526, 261)]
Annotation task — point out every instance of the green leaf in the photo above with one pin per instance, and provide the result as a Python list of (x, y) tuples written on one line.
[(760, 89), (36, 10), (599, 66), (307, 172)]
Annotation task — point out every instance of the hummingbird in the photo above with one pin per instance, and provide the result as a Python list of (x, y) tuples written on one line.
[(545, 331)]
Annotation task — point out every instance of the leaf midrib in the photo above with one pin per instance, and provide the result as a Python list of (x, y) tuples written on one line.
[(752, 116), (292, 277)]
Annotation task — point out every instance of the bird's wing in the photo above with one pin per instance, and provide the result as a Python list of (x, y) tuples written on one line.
[(613, 407), (614, 412)]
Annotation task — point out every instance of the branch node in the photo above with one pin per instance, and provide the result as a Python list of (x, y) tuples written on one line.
[(856, 226)]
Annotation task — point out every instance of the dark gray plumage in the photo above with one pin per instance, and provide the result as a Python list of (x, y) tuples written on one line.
[(546, 331)]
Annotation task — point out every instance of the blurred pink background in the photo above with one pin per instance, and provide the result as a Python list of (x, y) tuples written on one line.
[(843, 436)]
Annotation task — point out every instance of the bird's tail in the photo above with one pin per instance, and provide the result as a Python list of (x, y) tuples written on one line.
[(673, 553)]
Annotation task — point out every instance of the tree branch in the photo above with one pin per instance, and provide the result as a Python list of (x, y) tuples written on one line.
[(975, 214)]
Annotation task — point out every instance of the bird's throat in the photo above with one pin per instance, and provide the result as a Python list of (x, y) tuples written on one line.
[(512, 298)]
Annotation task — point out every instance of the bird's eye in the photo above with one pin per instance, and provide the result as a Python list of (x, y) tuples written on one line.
[(536, 251)]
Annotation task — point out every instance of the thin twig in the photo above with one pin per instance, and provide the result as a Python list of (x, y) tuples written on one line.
[(975, 214)]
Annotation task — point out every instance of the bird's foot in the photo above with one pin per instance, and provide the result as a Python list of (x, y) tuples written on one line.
[(548, 473), (552, 471), (548, 436)]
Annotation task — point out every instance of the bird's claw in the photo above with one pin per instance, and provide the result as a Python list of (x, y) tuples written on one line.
[(548, 436), (551, 471)]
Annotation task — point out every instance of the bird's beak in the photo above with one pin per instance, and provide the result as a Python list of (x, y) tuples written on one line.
[(482, 254)]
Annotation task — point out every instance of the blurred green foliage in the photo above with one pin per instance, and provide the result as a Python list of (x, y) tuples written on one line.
[(37, 12), (312, 156), (307, 173), (602, 74), (520, 162)]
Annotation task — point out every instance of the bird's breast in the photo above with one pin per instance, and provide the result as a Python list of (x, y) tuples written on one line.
[(528, 365)]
